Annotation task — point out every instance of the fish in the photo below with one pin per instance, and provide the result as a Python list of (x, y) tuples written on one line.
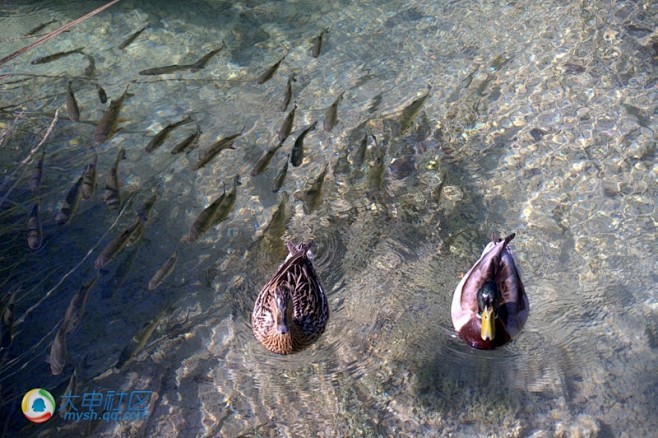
[(167, 69), (267, 74), (113, 248), (158, 138), (89, 178), (216, 212), (201, 63), (69, 206), (286, 126), (7, 321), (143, 214), (58, 353), (138, 342), (277, 225), (376, 172), (264, 160), (187, 142), (101, 94), (77, 305), (90, 69), (144, 211), (38, 28), (112, 194), (55, 56), (136, 235), (71, 104), (107, 124), (317, 44), (125, 268), (313, 196), (34, 230), (37, 172), (211, 152), (408, 114), (280, 177), (360, 152), (70, 391), (331, 116), (297, 152), (287, 96), (132, 37), (161, 274)]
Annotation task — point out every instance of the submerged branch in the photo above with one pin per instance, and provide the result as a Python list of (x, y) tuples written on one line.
[(54, 33), (29, 158)]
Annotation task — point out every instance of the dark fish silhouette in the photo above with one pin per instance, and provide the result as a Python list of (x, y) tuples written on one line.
[(39, 28), (68, 208), (161, 274), (331, 116), (287, 96), (313, 196), (34, 231), (201, 63), (213, 214), (297, 153), (267, 74), (71, 104), (101, 94), (107, 124), (58, 352), (280, 177), (77, 306), (7, 321), (55, 56), (165, 69), (89, 178), (132, 37), (90, 69), (408, 114), (286, 126), (113, 248), (317, 44), (37, 172), (264, 160), (360, 152), (158, 138), (205, 156), (188, 142), (112, 193)]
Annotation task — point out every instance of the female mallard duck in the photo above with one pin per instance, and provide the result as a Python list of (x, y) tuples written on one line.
[(490, 307), (291, 310)]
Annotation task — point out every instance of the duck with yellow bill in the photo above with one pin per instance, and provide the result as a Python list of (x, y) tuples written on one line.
[(490, 306)]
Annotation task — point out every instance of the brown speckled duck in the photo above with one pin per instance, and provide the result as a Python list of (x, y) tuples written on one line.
[(291, 310), (490, 306)]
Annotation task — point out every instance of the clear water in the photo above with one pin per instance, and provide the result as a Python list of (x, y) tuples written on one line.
[(541, 121)]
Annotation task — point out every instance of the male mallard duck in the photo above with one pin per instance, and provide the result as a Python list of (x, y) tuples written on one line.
[(291, 310), (490, 307)]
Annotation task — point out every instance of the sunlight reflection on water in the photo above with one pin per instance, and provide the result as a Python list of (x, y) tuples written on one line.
[(539, 121)]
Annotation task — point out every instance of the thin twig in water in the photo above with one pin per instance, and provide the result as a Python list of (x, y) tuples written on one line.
[(72, 271), (11, 127), (54, 33), (34, 151), (29, 158)]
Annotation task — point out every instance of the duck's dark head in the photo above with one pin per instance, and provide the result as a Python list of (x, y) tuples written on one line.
[(283, 310), (487, 297)]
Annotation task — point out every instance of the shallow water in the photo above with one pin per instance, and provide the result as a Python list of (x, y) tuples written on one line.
[(540, 120)]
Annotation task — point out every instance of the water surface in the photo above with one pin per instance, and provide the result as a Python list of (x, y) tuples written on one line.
[(541, 120)]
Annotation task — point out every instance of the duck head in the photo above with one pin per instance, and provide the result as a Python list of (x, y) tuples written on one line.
[(283, 310), (487, 297)]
